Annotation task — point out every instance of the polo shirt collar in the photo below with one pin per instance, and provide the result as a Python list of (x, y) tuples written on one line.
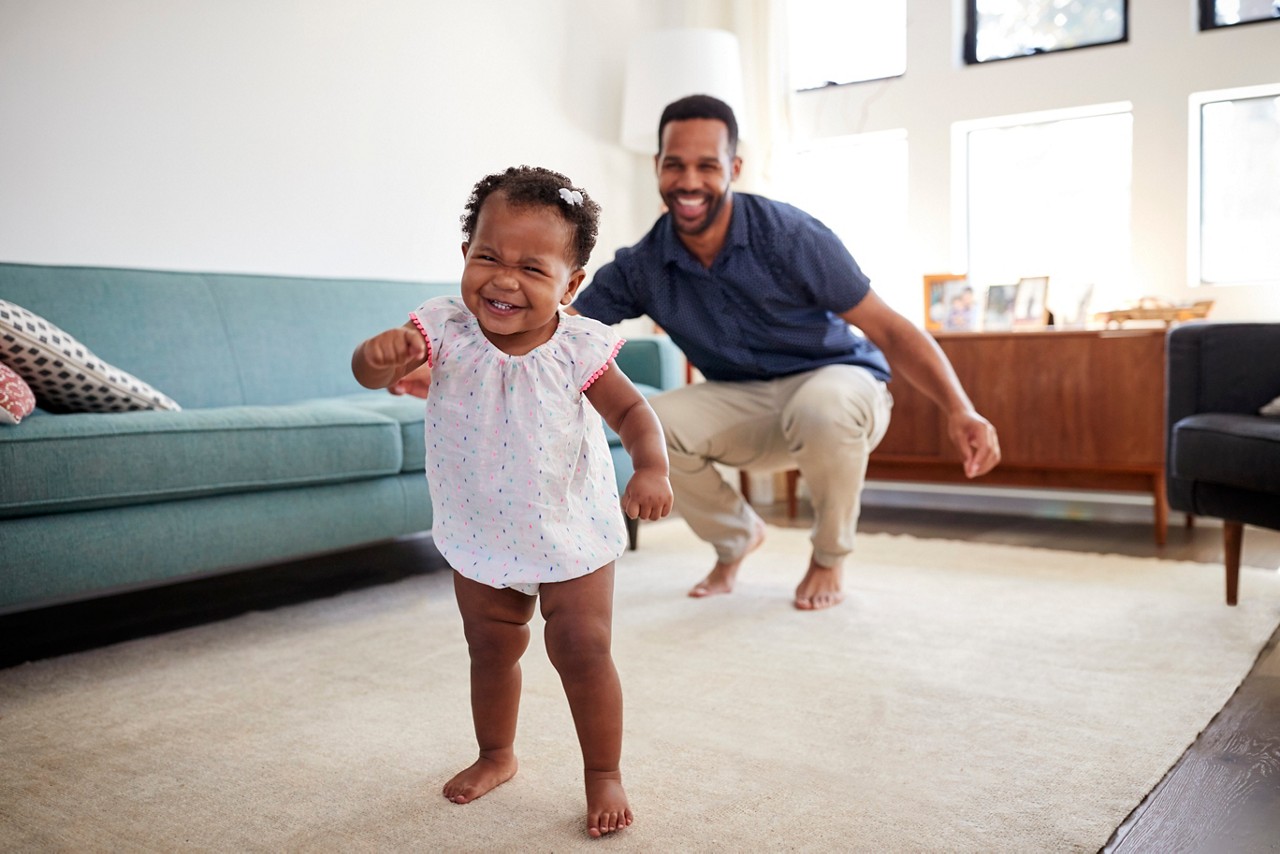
[(675, 252)]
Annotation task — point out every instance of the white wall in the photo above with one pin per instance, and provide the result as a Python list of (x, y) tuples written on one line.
[(325, 137), (1165, 60), (340, 137)]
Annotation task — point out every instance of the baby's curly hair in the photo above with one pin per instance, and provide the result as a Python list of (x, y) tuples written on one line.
[(528, 186)]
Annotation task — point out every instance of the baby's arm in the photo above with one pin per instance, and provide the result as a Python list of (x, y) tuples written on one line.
[(386, 357), (648, 494)]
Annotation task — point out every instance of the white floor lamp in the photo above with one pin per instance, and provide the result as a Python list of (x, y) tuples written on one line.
[(668, 64)]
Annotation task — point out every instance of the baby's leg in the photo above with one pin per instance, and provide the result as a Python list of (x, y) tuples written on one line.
[(579, 633), (496, 623)]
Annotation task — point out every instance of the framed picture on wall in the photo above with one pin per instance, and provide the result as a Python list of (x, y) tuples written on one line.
[(938, 289), (997, 314), (1031, 303)]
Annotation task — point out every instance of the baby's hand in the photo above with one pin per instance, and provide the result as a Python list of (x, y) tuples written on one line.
[(648, 495), (395, 348)]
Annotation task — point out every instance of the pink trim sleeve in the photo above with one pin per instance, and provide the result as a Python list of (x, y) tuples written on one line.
[(605, 367), (425, 337)]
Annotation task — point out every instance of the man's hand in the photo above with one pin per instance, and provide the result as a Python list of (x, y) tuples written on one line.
[(977, 441), (647, 496), (416, 382)]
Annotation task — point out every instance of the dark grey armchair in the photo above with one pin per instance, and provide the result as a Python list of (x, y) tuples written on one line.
[(1222, 456)]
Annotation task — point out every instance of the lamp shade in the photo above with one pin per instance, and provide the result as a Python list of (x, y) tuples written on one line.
[(665, 65)]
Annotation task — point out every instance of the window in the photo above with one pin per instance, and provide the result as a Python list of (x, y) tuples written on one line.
[(1003, 29), (857, 185), (1047, 195), (1234, 186), (834, 41), (1228, 13)]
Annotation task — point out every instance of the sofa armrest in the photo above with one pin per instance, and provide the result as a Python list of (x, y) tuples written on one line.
[(652, 360)]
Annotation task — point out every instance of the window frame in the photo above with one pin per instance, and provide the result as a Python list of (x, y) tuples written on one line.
[(960, 202), (1208, 24), (1195, 170), (971, 38), (794, 87)]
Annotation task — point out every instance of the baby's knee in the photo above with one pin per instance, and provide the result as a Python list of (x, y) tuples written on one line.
[(496, 644), (580, 648)]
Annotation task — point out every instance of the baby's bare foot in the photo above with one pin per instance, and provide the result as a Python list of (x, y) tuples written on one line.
[(722, 575), (607, 809), (486, 773), (820, 588)]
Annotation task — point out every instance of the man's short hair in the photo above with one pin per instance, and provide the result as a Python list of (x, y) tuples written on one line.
[(700, 107)]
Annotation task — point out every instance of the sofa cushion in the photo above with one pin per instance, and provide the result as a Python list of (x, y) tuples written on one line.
[(408, 412), (64, 374), (58, 463), (16, 399), (217, 339), (1235, 450)]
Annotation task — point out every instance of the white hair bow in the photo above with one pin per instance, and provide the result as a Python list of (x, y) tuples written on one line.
[(571, 197)]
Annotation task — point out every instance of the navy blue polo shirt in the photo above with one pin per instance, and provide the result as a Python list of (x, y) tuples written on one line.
[(768, 306)]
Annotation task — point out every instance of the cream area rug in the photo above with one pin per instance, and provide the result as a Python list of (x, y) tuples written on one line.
[(964, 698)]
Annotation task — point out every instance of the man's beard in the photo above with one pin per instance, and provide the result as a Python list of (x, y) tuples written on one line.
[(715, 204)]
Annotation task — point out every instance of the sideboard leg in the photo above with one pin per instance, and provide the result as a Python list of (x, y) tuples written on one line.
[(1161, 509)]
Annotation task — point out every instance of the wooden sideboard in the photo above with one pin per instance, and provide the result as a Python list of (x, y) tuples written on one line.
[(1080, 409)]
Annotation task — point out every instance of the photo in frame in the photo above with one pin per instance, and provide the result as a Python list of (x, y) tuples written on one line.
[(962, 307), (1031, 303), (938, 288), (1071, 305), (997, 315)]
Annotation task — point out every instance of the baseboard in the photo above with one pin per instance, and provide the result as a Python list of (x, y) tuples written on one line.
[(1082, 505)]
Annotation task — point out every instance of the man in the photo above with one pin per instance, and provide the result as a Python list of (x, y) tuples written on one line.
[(760, 297)]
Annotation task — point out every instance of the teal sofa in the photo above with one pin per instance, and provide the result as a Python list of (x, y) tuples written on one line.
[(276, 454)]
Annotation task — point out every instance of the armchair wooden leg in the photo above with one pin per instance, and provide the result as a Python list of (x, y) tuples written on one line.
[(1232, 538)]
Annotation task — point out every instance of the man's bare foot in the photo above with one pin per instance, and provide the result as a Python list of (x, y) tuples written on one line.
[(607, 809), (483, 775), (820, 588), (722, 575)]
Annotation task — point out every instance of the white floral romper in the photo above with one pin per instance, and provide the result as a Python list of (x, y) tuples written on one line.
[(522, 483)]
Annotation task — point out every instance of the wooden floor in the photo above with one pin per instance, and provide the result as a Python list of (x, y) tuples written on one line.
[(1223, 795)]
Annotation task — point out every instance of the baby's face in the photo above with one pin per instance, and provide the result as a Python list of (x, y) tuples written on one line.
[(517, 273)]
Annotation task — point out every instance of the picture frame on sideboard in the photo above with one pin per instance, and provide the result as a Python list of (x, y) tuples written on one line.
[(1031, 303), (938, 288), (997, 315)]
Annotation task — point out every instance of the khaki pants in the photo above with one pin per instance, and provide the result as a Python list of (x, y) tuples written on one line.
[(824, 422)]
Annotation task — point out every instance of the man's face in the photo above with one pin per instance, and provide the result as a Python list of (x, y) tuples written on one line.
[(695, 170)]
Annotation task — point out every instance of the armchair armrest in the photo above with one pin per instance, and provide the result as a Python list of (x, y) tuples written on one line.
[(1225, 368), (1222, 367), (652, 360)]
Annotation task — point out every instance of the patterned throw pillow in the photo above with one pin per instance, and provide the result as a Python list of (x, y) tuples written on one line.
[(63, 373), (16, 399)]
